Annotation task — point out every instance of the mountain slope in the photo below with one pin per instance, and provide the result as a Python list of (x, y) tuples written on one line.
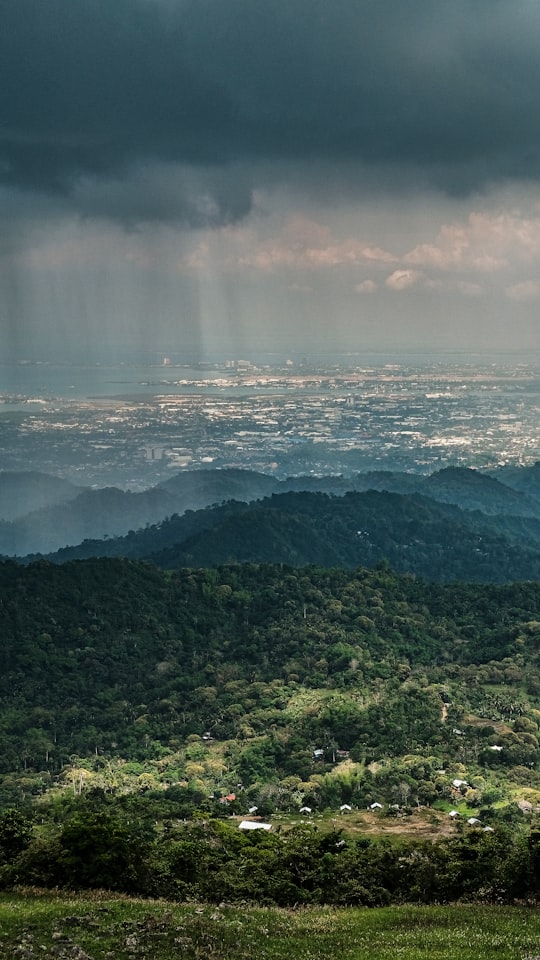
[(113, 658), (412, 533), (75, 516), (466, 488), (523, 479), (111, 512), (24, 492)]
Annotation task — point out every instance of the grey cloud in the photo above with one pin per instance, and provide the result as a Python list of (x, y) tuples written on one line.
[(196, 197), (96, 90)]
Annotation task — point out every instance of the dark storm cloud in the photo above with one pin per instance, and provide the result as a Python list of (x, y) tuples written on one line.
[(167, 193), (92, 90)]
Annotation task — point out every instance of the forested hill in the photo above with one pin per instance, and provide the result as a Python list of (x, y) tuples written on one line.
[(23, 492), (116, 658), (132, 701), (41, 514), (414, 534)]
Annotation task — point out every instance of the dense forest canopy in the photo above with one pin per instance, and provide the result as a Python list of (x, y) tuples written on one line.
[(117, 658), (413, 533), (133, 699)]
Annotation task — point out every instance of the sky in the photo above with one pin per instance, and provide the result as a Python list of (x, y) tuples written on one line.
[(211, 178)]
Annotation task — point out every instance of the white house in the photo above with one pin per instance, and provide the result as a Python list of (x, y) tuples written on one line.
[(254, 825)]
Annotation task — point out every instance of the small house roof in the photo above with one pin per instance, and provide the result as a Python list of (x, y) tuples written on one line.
[(254, 825)]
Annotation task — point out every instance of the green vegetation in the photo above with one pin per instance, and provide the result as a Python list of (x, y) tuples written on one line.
[(413, 533), (457, 523), (100, 927), (104, 844), (143, 713), (317, 686)]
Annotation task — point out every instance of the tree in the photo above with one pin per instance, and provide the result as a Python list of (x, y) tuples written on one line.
[(15, 834), (101, 850)]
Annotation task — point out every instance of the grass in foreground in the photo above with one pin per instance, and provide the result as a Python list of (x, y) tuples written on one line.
[(100, 927)]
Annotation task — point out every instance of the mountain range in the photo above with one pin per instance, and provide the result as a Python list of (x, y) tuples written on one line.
[(457, 523)]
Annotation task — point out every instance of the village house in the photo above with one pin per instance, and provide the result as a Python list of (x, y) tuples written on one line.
[(253, 825)]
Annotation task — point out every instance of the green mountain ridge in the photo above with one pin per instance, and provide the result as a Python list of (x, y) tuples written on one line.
[(63, 515), (414, 534)]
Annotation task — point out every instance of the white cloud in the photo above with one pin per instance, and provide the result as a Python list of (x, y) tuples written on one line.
[(484, 243), (469, 289), (526, 290), (403, 279), (367, 286)]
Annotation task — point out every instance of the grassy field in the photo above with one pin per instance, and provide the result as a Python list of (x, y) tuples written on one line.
[(100, 927)]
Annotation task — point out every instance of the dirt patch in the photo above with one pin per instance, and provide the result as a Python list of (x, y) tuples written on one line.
[(424, 824), (428, 825)]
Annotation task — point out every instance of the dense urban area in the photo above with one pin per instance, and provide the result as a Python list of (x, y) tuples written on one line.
[(135, 426)]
